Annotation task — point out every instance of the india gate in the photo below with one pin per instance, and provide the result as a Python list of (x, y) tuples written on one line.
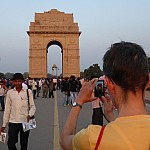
[(53, 28)]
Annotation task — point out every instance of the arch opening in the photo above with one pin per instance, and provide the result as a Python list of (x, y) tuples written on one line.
[(54, 58), (54, 42)]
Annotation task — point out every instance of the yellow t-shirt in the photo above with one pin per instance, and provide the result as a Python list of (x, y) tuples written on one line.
[(125, 133)]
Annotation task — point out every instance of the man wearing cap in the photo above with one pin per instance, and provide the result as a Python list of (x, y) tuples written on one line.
[(16, 112)]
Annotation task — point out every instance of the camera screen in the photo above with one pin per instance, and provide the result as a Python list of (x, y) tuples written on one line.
[(99, 88)]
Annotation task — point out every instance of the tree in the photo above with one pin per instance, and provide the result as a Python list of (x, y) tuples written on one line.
[(26, 75), (9, 75), (93, 70), (81, 74), (2, 76)]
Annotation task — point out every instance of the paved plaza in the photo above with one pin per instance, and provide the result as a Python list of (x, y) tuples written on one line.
[(51, 116)]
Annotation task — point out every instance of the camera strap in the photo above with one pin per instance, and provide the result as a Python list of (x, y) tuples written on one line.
[(28, 101), (105, 117), (99, 137)]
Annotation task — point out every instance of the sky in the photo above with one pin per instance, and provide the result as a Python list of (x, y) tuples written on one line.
[(102, 22)]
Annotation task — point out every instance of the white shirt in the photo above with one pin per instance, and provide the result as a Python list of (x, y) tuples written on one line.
[(16, 107), (24, 86), (34, 84), (40, 83), (2, 91)]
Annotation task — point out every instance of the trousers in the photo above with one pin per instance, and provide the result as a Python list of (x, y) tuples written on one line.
[(13, 131), (2, 102)]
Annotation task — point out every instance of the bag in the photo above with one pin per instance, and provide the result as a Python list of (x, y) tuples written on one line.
[(29, 125), (3, 137), (32, 117), (32, 122)]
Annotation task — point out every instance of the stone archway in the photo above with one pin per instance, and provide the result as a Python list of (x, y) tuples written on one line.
[(53, 28)]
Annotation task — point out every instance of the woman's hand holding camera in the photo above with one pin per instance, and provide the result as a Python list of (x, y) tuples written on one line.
[(108, 107), (86, 93)]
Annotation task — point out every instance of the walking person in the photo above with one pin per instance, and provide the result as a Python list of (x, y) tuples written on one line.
[(16, 112), (2, 95), (79, 85), (127, 76), (34, 87), (65, 89), (55, 83), (73, 86), (51, 88), (97, 115), (39, 86), (45, 88)]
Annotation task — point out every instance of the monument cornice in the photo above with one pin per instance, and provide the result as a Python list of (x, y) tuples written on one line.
[(51, 32)]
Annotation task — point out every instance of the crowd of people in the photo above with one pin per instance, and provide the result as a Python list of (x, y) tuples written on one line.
[(69, 86)]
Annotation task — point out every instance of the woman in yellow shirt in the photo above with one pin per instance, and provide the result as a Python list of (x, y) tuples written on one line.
[(127, 75)]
